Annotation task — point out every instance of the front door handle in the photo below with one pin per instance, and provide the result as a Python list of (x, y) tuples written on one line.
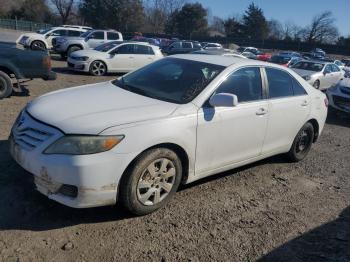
[(304, 103), (262, 111)]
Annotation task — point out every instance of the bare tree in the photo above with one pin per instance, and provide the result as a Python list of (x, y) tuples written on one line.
[(64, 8), (275, 29), (292, 31), (322, 29)]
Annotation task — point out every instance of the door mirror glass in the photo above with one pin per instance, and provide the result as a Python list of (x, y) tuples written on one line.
[(223, 100)]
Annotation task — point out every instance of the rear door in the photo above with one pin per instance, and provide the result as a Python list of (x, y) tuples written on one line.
[(289, 107), (96, 38), (186, 47), (54, 34)]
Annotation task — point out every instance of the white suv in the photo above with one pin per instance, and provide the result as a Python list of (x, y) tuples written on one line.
[(91, 39), (43, 38)]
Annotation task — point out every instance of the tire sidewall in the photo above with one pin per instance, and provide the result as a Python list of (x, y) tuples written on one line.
[(294, 155), (6, 81), (129, 187), (318, 84), (41, 43)]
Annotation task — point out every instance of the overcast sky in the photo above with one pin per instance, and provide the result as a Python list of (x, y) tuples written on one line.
[(298, 11)]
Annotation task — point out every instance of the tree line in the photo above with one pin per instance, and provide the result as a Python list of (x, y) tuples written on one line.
[(173, 17)]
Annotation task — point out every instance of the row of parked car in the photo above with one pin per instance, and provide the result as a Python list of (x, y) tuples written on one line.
[(99, 52)]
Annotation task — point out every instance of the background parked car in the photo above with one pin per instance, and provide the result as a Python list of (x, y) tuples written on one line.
[(285, 59), (220, 52), (114, 57), (212, 46), (249, 55), (90, 39), (319, 74), (19, 63), (42, 40), (152, 41), (182, 47), (318, 53), (339, 96)]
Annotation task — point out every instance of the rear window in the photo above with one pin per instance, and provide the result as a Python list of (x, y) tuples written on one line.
[(74, 33), (186, 45), (316, 67), (143, 50), (112, 36)]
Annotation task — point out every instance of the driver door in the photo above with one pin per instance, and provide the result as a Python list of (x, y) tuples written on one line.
[(122, 58), (229, 135)]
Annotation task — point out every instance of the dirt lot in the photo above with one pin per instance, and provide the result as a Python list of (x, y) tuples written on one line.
[(271, 210)]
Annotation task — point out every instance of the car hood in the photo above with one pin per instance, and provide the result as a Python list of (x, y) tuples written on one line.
[(303, 73), (92, 108)]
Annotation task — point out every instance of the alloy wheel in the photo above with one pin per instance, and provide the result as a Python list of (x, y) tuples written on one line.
[(98, 68), (156, 182), (303, 142)]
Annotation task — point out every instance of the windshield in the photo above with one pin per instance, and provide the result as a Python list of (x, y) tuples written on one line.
[(171, 79), (107, 46), (44, 31), (316, 67)]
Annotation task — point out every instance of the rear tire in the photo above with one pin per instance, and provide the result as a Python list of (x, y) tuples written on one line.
[(5, 85), (151, 182), (73, 49), (302, 143)]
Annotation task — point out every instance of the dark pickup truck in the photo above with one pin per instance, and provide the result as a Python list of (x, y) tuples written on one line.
[(18, 63)]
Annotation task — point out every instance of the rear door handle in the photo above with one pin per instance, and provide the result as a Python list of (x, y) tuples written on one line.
[(261, 112)]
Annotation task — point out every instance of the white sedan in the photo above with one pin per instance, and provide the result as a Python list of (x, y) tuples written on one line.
[(177, 120), (114, 57), (321, 75)]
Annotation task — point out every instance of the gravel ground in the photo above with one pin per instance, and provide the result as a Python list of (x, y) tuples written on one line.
[(272, 210)]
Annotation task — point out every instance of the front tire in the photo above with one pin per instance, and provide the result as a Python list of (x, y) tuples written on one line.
[(5, 85), (302, 143), (316, 84), (98, 68), (151, 182), (38, 45)]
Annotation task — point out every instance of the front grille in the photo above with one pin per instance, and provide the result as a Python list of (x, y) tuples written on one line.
[(341, 101), (26, 134), (345, 90)]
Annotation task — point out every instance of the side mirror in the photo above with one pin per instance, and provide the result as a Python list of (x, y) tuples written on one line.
[(223, 100)]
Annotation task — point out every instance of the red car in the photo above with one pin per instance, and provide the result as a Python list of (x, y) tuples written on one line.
[(263, 56)]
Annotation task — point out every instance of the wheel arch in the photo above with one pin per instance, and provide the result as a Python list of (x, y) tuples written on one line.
[(39, 40), (77, 45), (316, 127), (180, 151)]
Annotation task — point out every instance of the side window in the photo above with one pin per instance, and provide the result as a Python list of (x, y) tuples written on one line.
[(112, 36), (97, 35), (74, 33), (197, 45), (245, 83), (186, 45), (335, 68), (176, 45), (328, 69), (280, 83), (126, 49), (143, 50), (59, 33), (298, 88)]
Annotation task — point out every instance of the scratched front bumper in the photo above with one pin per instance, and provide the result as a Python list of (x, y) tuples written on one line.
[(95, 176)]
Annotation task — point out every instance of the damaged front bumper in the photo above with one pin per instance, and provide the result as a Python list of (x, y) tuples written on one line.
[(76, 181)]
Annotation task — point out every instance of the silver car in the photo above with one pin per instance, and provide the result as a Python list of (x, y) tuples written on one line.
[(321, 75), (90, 39), (339, 96)]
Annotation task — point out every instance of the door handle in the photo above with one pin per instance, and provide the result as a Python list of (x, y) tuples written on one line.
[(261, 112), (304, 103)]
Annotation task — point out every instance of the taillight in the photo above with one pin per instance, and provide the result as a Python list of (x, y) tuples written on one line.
[(47, 63), (326, 103)]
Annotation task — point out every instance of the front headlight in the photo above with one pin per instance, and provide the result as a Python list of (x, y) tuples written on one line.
[(83, 145), (81, 58)]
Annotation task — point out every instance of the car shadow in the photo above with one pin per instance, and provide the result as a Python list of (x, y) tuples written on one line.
[(67, 71), (329, 242), (23, 207), (338, 118)]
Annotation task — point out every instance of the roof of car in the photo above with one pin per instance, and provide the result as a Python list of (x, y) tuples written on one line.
[(218, 59)]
